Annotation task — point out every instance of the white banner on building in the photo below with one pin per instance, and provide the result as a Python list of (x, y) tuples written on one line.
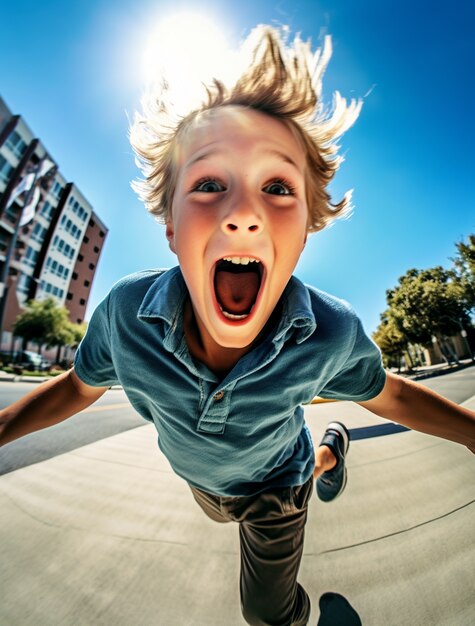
[(24, 185), (28, 212), (44, 168)]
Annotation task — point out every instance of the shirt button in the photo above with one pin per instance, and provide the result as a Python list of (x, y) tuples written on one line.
[(218, 396)]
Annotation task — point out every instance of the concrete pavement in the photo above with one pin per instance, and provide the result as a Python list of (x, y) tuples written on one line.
[(108, 535)]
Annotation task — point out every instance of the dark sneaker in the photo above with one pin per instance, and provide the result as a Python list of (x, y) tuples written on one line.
[(335, 609), (330, 484)]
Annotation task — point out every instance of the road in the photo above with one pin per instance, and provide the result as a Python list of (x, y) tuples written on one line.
[(113, 414), (108, 534), (110, 415)]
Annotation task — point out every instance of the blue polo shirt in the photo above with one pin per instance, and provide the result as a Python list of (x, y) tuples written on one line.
[(244, 434)]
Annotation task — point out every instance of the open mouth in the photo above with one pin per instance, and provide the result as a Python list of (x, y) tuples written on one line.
[(237, 282)]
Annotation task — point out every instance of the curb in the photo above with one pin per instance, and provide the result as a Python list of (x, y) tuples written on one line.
[(12, 378), (15, 378), (447, 369)]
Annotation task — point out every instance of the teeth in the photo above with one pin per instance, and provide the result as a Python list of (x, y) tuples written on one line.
[(231, 316), (240, 260)]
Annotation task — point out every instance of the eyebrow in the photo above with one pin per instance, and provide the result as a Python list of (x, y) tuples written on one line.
[(281, 155)]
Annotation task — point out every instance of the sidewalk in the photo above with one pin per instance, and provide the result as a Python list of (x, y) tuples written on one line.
[(427, 371), (108, 535), (418, 373)]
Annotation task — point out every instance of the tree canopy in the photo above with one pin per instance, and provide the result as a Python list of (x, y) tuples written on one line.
[(46, 323), (430, 303)]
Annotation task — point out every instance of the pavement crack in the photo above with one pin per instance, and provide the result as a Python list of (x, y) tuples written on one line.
[(394, 534), (88, 531), (141, 467), (396, 456)]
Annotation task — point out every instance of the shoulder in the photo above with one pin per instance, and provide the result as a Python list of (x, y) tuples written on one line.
[(332, 314), (134, 285)]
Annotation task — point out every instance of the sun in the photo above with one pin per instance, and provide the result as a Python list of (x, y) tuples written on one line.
[(186, 49)]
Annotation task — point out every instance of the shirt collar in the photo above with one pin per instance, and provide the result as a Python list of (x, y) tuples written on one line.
[(166, 297), (298, 317)]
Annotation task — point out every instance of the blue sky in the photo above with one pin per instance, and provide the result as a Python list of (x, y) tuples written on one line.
[(72, 70)]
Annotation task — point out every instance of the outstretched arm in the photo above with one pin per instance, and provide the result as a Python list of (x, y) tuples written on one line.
[(408, 403), (48, 404)]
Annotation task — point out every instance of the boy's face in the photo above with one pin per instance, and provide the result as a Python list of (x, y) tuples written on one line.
[(239, 220)]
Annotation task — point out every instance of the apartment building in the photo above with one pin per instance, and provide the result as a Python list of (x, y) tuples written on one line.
[(50, 237)]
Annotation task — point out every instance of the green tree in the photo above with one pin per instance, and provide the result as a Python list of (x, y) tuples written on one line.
[(390, 339), (78, 331), (464, 271), (42, 322), (62, 336), (428, 303), (68, 335)]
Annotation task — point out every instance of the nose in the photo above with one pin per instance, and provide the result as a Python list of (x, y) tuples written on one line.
[(242, 219)]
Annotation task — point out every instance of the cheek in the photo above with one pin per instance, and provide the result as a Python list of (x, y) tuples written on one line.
[(191, 235), (293, 230)]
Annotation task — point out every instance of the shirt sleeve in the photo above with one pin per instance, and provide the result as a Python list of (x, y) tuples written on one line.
[(362, 376), (93, 362)]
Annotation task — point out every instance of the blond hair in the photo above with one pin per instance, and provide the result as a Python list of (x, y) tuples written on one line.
[(283, 81)]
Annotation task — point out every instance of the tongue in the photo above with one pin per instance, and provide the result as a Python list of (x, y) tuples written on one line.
[(236, 293)]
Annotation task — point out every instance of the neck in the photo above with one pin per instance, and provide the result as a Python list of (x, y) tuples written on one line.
[(218, 359)]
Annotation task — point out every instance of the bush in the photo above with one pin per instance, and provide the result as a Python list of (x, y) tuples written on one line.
[(55, 372)]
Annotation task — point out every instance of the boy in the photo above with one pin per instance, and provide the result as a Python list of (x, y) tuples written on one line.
[(221, 351)]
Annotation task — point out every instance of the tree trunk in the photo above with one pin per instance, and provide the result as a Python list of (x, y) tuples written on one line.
[(443, 349), (407, 355)]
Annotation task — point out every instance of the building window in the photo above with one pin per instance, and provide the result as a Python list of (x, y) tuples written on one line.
[(47, 210), (79, 321), (75, 276), (24, 282), (57, 190), (86, 239), (86, 283), (82, 302), (5, 169), (38, 233), (69, 296), (91, 266), (63, 247), (79, 210), (3, 242), (16, 144), (92, 223), (96, 249), (80, 257), (30, 257), (101, 233), (70, 228)]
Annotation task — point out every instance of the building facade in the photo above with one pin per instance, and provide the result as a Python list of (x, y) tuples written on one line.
[(50, 237)]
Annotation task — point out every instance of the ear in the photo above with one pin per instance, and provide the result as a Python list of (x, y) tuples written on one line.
[(170, 234)]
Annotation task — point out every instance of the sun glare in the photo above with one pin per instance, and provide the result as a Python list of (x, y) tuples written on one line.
[(186, 49)]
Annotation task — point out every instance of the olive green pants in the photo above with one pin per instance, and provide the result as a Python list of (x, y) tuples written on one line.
[(271, 532)]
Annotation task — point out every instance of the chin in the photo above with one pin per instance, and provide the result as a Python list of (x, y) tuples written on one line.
[(236, 338)]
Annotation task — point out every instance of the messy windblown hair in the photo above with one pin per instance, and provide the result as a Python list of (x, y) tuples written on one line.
[(281, 80)]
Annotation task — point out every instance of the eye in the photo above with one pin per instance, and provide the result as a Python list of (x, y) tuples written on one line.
[(279, 187), (208, 185)]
